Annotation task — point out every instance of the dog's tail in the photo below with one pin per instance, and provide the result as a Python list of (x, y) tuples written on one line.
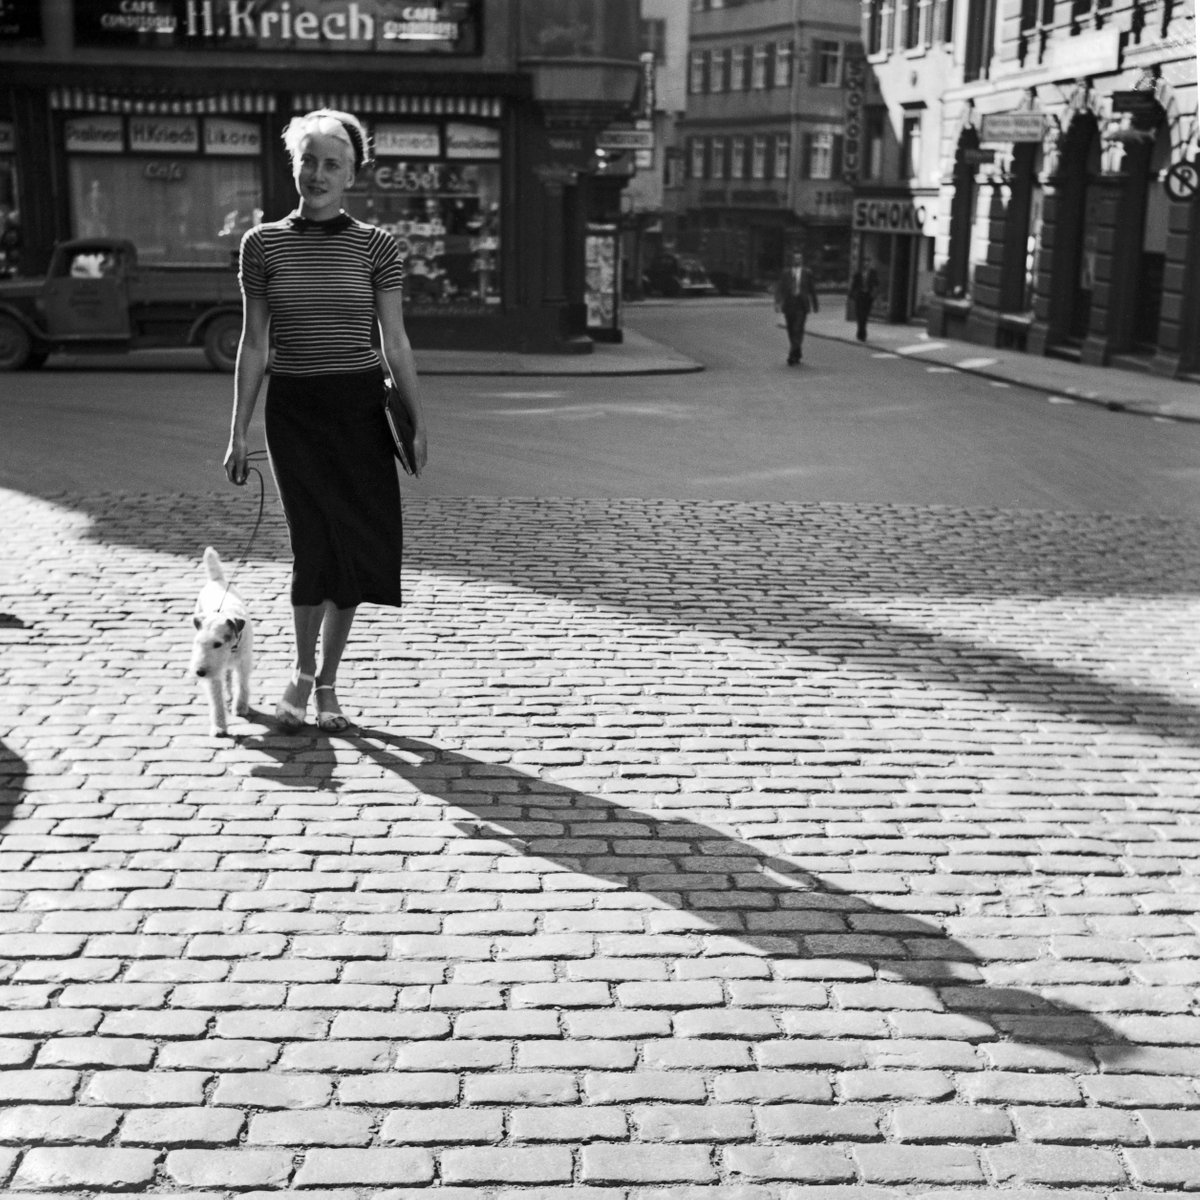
[(212, 564)]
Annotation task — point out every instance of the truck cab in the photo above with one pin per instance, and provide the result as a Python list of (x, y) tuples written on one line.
[(87, 292)]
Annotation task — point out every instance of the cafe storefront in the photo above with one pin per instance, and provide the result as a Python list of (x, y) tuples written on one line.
[(169, 135)]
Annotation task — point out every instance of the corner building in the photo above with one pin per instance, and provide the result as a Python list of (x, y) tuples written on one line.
[(909, 61), (1068, 203), (772, 89), (160, 121)]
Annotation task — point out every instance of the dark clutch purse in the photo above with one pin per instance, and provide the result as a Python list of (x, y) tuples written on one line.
[(400, 426)]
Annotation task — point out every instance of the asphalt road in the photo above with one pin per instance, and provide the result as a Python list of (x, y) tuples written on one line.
[(846, 426)]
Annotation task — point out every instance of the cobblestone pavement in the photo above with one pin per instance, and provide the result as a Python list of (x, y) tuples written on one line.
[(755, 851)]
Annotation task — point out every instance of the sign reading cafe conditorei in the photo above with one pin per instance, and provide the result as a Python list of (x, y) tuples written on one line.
[(445, 27)]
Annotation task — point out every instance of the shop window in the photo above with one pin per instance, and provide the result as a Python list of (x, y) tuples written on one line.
[(445, 217), (784, 62), (827, 63), (758, 70), (174, 210), (737, 156)]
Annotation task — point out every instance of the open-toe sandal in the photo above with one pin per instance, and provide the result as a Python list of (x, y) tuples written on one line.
[(291, 716), (331, 722)]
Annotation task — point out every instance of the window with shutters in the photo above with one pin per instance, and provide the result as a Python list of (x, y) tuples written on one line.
[(737, 156), (820, 156), (654, 39), (718, 71), (758, 70), (758, 159), (981, 19), (717, 154), (910, 146), (784, 61), (875, 27), (737, 69), (783, 155), (874, 124), (827, 63)]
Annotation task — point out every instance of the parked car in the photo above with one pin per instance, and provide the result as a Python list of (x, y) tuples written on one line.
[(97, 296), (678, 275)]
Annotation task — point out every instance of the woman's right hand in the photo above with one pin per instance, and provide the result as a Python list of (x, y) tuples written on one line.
[(236, 458)]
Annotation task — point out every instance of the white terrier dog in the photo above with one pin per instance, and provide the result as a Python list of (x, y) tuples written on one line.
[(223, 651)]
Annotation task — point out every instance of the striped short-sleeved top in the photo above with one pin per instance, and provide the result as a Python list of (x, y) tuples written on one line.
[(320, 288)]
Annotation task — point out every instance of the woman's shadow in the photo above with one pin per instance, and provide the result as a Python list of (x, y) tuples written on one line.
[(750, 900)]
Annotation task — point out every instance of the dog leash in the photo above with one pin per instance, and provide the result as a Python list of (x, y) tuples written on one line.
[(262, 497)]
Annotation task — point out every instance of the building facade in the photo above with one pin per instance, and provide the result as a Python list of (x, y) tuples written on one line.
[(1068, 218), (897, 178), (648, 214), (160, 121), (765, 139)]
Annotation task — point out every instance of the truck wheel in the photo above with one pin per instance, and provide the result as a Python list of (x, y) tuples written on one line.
[(221, 337), (16, 345)]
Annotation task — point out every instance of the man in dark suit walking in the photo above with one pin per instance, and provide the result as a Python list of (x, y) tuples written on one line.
[(864, 287), (796, 297)]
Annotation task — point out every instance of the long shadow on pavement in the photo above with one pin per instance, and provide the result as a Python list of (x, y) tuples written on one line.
[(13, 772), (753, 901), (839, 583)]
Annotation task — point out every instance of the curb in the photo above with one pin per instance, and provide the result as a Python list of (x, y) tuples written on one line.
[(1136, 408)]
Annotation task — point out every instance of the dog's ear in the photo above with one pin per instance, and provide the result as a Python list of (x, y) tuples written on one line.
[(238, 624), (196, 621)]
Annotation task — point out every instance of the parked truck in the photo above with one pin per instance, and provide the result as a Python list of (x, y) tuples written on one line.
[(96, 296)]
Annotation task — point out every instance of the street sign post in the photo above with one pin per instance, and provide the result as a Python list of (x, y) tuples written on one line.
[(1182, 181), (1015, 126)]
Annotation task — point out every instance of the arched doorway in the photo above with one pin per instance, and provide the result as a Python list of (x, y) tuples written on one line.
[(962, 213), (1077, 229)]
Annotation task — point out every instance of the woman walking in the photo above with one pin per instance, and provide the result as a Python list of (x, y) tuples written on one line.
[(314, 287)]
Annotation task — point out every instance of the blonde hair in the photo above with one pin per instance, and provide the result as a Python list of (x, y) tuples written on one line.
[(331, 123)]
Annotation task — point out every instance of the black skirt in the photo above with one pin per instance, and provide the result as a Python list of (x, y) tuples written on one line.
[(332, 459)]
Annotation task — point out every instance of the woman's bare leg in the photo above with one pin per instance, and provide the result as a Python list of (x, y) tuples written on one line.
[(335, 633)]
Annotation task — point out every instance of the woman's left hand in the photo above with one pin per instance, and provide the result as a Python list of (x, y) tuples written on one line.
[(420, 449)]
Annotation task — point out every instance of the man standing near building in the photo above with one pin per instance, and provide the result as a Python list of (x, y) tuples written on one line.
[(796, 297), (864, 287)]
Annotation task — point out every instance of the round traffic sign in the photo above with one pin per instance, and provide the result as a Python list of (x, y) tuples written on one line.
[(1182, 180)]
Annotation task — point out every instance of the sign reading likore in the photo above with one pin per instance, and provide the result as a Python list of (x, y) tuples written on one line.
[(389, 26)]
